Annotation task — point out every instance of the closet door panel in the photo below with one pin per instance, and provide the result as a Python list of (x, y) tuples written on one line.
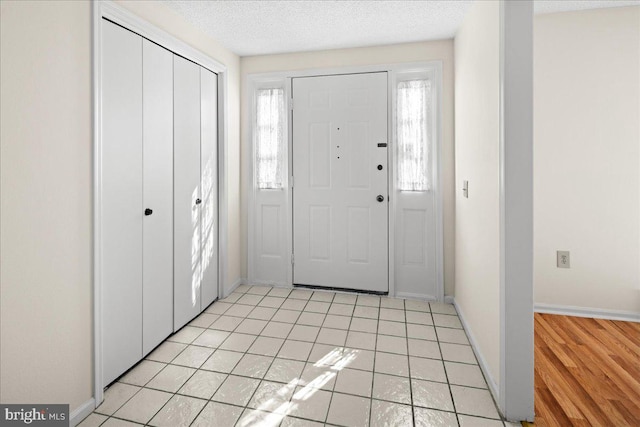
[(209, 184), (186, 167), (121, 205), (157, 277)]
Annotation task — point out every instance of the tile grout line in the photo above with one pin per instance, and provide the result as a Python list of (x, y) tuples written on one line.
[(413, 406), (453, 402), (227, 375), (142, 387), (271, 364), (265, 373), (373, 369), (305, 362), (236, 364), (200, 368), (343, 392), (399, 376), (305, 324), (275, 357), (196, 370), (326, 417), (307, 358), (240, 318)]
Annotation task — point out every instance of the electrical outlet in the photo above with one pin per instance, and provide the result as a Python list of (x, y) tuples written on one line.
[(563, 259)]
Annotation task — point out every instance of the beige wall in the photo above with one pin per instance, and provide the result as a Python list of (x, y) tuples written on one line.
[(410, 52), (477, 127), (45, 203), (587, 158), (46, 193)]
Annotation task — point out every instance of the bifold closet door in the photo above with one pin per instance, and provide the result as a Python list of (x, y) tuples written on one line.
[(209, 184), (157, 264), (121, 209), (187, 198)]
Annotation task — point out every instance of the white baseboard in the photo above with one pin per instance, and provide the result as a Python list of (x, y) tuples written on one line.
[(596, 313), (448, 299), (282, 285), (233, 287), (81, 412), (270, 283), (493, 387), (409, 295)]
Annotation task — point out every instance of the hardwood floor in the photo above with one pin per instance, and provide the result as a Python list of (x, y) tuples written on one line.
[(587, 372)]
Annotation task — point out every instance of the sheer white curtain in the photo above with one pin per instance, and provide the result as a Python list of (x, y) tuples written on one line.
[(413, 111), (269, 138)]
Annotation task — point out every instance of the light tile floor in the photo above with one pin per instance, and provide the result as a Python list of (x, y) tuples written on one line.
[(280, 357)]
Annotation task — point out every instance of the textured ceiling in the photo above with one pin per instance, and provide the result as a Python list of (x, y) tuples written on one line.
[(264, 27), (551, 6)]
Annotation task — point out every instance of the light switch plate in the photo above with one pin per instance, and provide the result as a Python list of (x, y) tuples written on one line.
[(563, 259)]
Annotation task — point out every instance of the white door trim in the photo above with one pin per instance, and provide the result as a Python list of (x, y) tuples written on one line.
[(123, 17), (249, 166), (251, 80), (516, 385)]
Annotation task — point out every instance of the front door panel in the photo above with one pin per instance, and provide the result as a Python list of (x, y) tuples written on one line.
[(339, 169)]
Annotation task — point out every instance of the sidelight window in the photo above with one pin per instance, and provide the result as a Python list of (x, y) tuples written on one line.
[(413, 112), (269, 138)]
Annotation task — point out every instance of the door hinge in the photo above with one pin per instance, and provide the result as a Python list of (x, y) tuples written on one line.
[(292, 259), (292, 182), (291, 104)]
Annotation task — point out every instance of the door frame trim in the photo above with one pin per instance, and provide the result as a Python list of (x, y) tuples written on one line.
[(516, 383), (253, 80), (127, 19)]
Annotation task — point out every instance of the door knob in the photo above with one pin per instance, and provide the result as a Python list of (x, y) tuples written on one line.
[(198, 201), (379, 167), (380, 198), (148, 212)]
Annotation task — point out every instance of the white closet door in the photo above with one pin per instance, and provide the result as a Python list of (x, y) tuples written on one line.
[(186, 169), (209, 184), (121, 205), (157, 277)]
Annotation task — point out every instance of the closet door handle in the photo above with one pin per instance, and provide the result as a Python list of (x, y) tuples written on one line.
[(198, 201), (148, 212)]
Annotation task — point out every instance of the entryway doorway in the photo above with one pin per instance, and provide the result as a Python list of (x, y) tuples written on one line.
[(344, 179)]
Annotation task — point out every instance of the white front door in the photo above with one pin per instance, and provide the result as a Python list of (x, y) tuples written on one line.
[(340, 194)]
